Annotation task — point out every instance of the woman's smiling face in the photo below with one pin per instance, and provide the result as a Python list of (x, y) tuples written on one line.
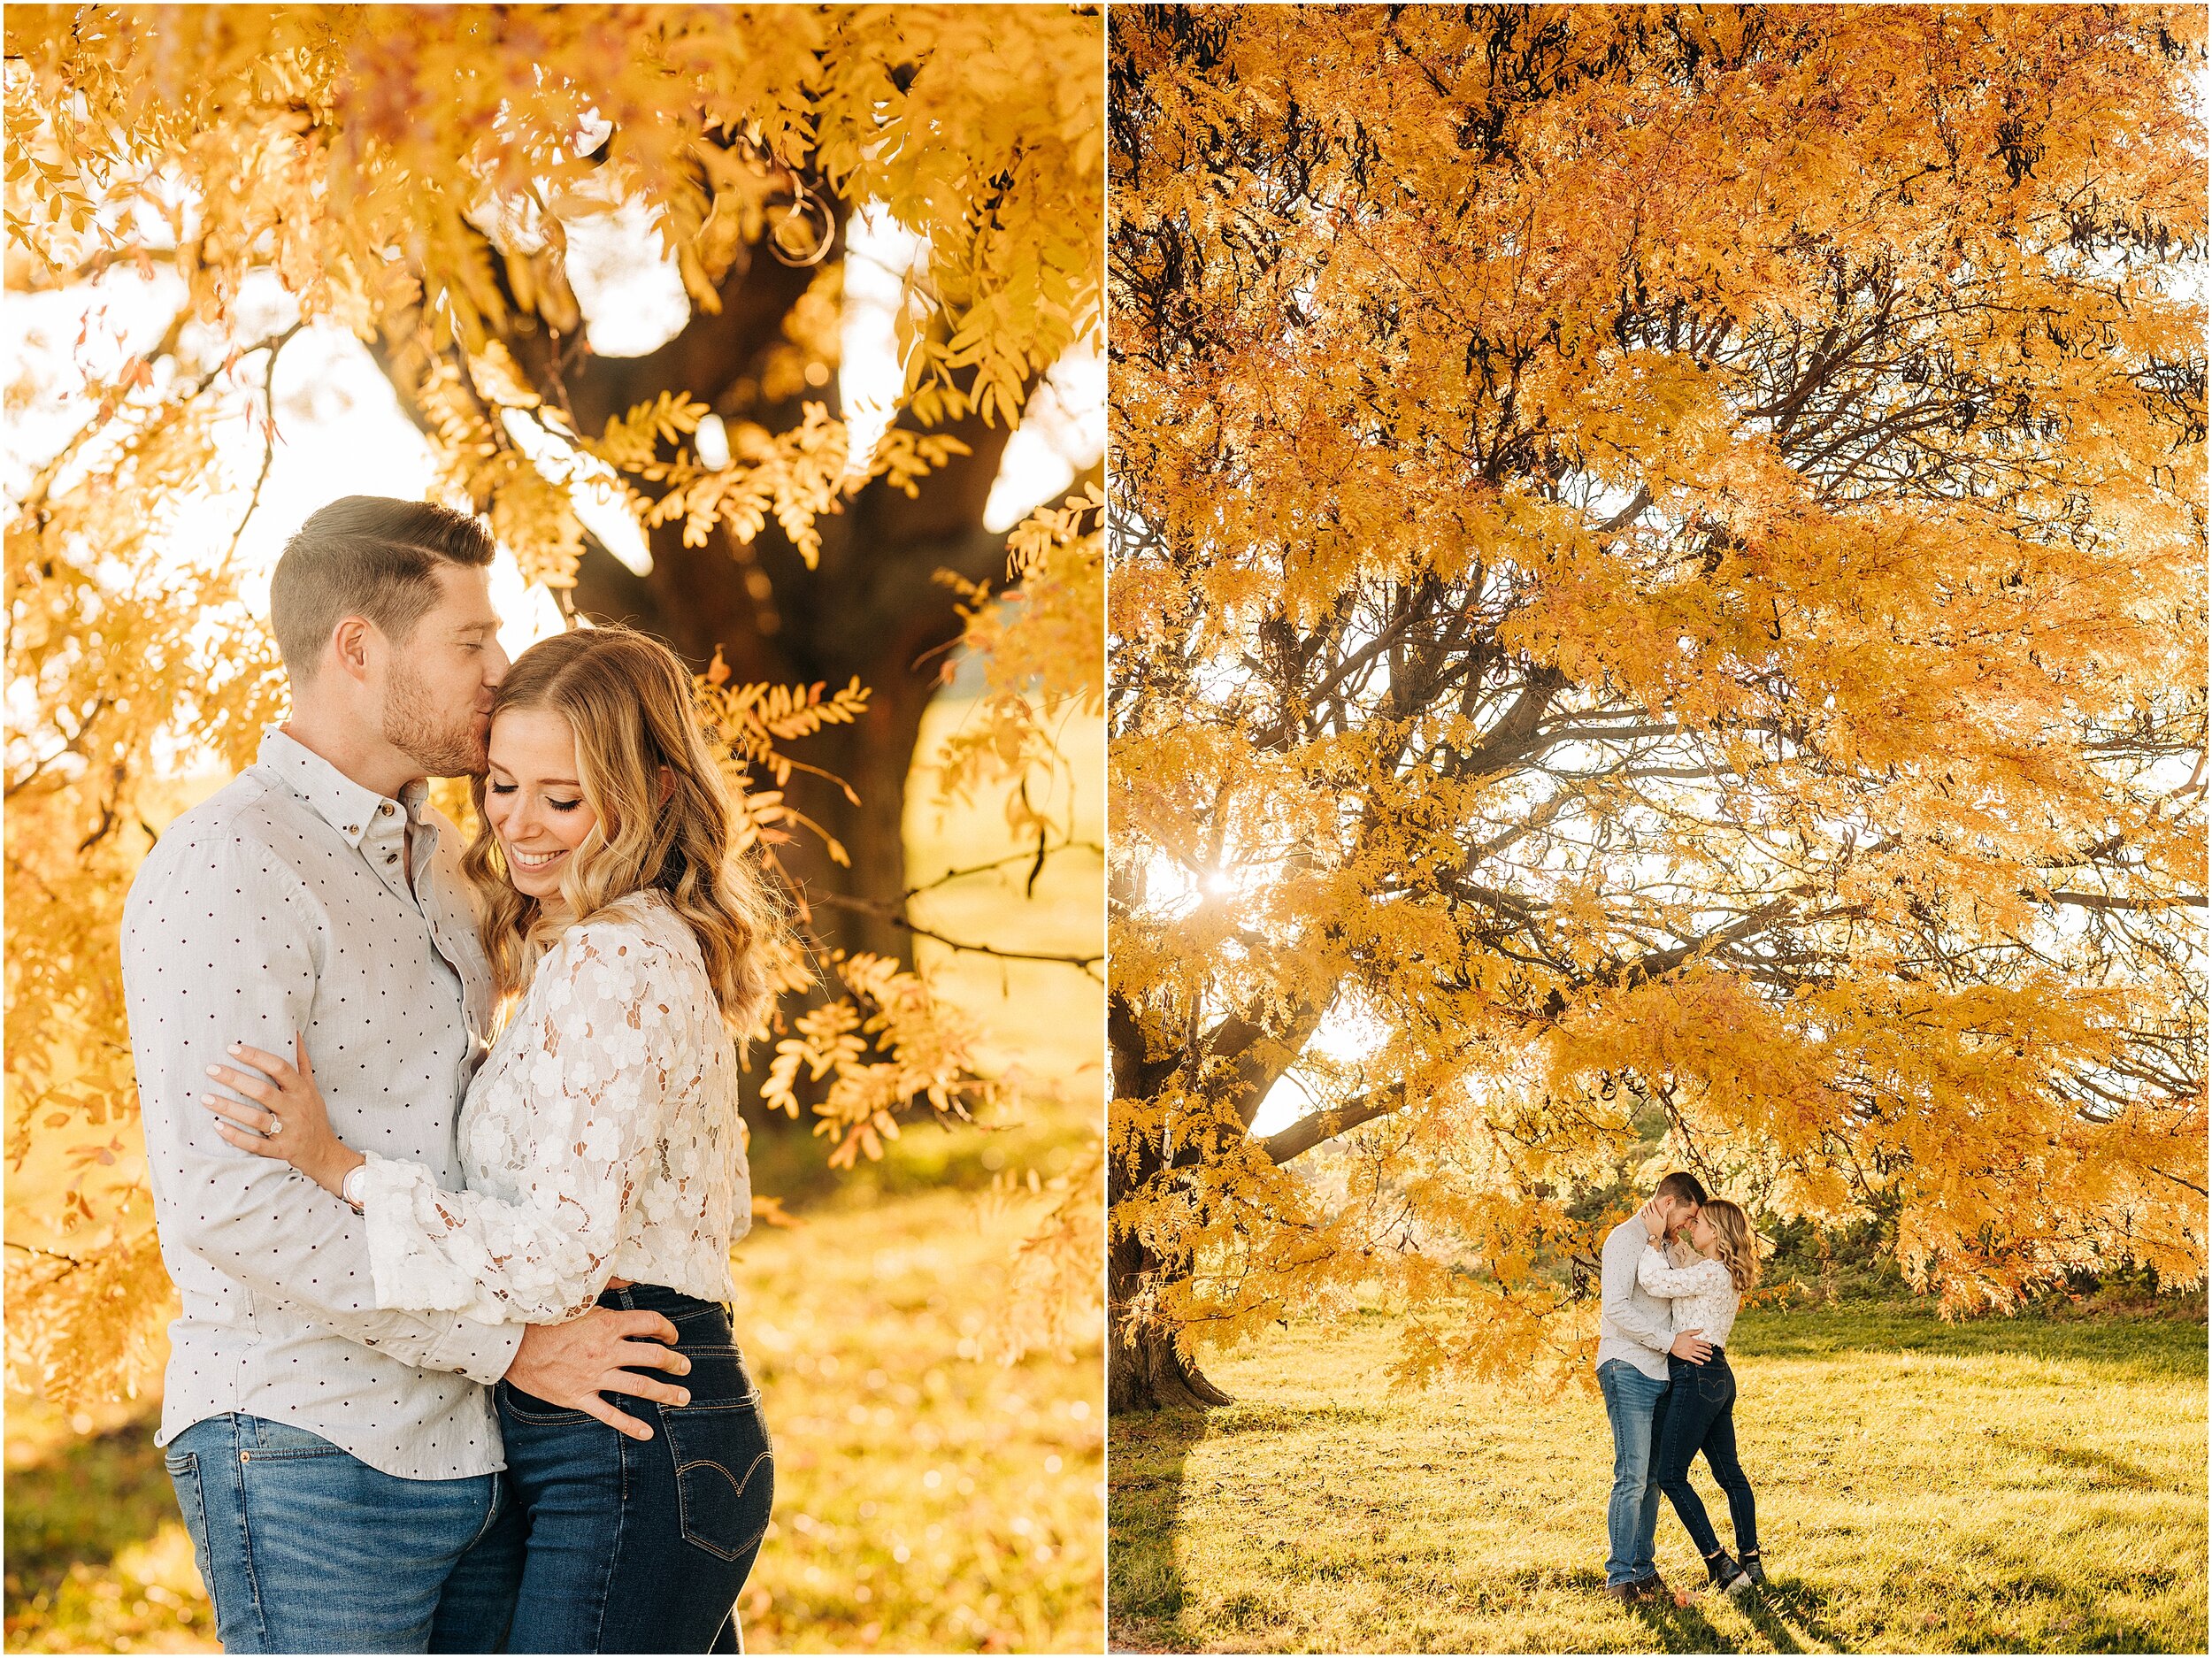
[(532, 800)]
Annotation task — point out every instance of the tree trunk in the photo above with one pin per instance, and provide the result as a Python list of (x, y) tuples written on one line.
[(886, 623), (1144, 1368), (697, 599), (870, 608)]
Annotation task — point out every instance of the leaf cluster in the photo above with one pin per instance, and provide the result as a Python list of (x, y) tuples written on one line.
[(1658, 567)]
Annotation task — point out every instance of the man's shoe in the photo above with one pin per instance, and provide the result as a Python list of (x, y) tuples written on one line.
[(1651, 1588), (1625, 1592)]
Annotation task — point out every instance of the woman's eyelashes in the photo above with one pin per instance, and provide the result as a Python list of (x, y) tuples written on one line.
[(557, 805)]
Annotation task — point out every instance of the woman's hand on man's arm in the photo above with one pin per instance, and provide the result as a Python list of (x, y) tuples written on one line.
[(291, 1124)]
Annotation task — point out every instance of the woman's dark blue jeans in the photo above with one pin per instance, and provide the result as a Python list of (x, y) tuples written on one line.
[(621, 1545), (1700, 1415)]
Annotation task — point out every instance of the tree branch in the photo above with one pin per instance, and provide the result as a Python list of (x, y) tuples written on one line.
[(1309, 1132), (894, 913), (2100, 900)]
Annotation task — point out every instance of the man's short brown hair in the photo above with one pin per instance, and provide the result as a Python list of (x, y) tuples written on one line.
[(366, 555), (1683, 1187)]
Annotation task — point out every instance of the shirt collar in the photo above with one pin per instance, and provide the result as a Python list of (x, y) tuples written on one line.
[(349, 807)]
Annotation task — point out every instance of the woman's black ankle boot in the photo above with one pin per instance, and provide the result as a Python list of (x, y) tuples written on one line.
[(1725, 1574)]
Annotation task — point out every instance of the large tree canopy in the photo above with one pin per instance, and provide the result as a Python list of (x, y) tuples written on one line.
[(414, 176), (1657, 566)]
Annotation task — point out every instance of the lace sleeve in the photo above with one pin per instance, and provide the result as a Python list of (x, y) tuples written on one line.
[(594, 1078), (1658, 1279)]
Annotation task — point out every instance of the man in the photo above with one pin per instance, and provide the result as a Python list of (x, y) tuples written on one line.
[(335, 1462), (1633, 1341)]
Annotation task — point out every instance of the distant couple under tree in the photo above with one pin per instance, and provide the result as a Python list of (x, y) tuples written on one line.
[(1662, 1366)]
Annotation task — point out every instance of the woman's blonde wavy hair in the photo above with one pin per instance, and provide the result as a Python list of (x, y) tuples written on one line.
[(1735, 1246), (628, 701)]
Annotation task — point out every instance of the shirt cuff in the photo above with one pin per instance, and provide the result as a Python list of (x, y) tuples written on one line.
[(405, 1268), (480, 1351)]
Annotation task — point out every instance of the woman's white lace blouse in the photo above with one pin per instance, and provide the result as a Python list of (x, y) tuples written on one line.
[(599, 1140), (1702, 1296)]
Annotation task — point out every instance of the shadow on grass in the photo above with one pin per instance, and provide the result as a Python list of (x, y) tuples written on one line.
[(2090, 1611), (1231, 1420), (1679, 1628), (84, 1504), (2147, 1346), (1771, 1624), (2106, 1471), (1148, 1451), (1788, 1606), (1786, 1613)]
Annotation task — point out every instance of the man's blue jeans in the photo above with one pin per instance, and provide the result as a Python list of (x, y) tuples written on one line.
[(306, 1548), (1631, 1518)]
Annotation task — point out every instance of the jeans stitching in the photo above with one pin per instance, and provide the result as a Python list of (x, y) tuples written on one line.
[(621, 1511), (626, 1448), (245, 1534), (491, 1512), (558, 1419), (749, 1402), (203, 1554), (301, 1455), (683, 1507)]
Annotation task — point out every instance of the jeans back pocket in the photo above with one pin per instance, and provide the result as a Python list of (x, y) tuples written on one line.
[(726, 1473)]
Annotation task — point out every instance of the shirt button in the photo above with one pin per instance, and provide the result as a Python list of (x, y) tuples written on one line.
[(353, 828), (384, 810)]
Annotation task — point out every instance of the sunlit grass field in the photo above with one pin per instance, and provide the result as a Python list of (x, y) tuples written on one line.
[(2012, 1485), (927, 1498)]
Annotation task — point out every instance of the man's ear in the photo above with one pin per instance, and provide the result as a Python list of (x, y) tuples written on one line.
[(352, 642)]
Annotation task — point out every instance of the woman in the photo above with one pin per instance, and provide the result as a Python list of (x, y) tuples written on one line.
[(1699, 1412), (604, 1153)]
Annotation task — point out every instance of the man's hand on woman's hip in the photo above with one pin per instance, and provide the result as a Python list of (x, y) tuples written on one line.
[(1689, 1345), (572, 1364)]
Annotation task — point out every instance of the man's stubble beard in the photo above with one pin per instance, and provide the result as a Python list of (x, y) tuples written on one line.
[(449, 747)]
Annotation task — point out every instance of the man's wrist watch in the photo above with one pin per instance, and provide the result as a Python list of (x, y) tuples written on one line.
[(356, 1186)]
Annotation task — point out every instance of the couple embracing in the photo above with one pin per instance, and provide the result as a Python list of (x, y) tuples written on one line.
[(1662, 1366), (455, 1369)]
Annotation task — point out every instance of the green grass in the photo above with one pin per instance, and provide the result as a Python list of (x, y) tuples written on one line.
[(96, 1558), (925, 1500), (2017, 1485)]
